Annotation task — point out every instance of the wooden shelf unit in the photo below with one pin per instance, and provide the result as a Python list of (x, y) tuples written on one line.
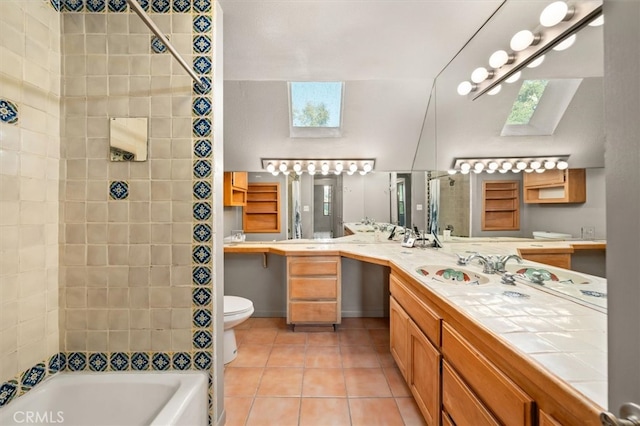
[(262, 211), (500, 205), (555, 186), (235, 188)]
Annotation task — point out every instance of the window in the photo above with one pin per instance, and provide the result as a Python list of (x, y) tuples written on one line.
[(326, 201), (315, 109), (527, 101)]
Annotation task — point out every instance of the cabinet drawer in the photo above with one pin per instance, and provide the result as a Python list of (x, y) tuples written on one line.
[(313, 312), (546, 420), (314, 266), (313, 288), (426, 319), (460, 402), (507, 401)]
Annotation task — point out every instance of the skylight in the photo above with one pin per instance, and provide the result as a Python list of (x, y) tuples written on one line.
[(527, 101), (316, 108)]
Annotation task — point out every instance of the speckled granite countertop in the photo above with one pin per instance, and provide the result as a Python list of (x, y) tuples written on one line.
[(560, 326)]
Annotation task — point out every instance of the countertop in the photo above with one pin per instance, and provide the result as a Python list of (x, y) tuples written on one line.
[(558, 326)]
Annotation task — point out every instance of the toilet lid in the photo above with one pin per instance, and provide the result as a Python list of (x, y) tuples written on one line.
[(235, 304)]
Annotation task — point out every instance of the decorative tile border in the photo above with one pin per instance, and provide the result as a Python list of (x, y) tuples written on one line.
[(8, 112), (158, 46), (28, 379), (119, 190)]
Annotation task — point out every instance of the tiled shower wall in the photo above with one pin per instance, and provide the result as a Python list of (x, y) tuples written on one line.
[(454, 204), (126, 275), (29, 168)]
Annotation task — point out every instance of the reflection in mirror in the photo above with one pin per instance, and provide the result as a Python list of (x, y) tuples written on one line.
[(128, 139)]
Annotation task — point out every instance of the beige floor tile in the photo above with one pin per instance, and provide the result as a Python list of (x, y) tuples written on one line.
[(237, 410), (281, 382), (274, 412), (260, 336), (410, 412), (322, 338), (396, 382), (359, 357), (241, 381), (288, 337), (352, 323), (376, 322), (250, 355), (354, 337), (374, 411), (275, 323), (380, 336), (323, 357), (286, 356), (323, 382), (366, 382), (324, 412)]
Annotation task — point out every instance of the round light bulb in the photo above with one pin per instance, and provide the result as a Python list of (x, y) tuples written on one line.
[(516, 170), (465, 166), (299, 172), (514, 77), (540, 170), (353, 167), (554, 13), (362, 172), (490, 171), (271, 167), (549, 164), (311, 168), (297, 167), (366, 167), (507, 165), (312, 173), (535, 165), (479, 75), (335, 172), (566, 43), (324, 168), (286, 172), (499, 58), (562, 165), (275, 173), (324, 172), (465, 88), (478, 167), (350, 172), (536, 62), (492, 165), (521, 165), (495, 90), (283, 167), (597, 22), (464, 172), (528, 170), (339, 167), (521, 40), (452, 171), (503, 171), (477, 171)]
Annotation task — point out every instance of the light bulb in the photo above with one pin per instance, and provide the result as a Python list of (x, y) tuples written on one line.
[(535, 165), (597, 22), (490, 171), (299, 172), (521, 165), (562, 165), (350, 172), (366, 167), (528, 170), (339, 167), (286, 172), (311, 168), (522, 39), (499, 58), (516, 170), (566, 43), (492, 165), (477, 171), (283, 167), (336, 172), (495, 90), (324, 168), (478, 166), (297, 167), (549, 164), (465, 166), (536, 62), (554, 13), (353, 167), (452, 171), (324, 172), (270, 167), (479, 75), (540, 170), (362, 172), (507, 165), (464, 172), (514, 77), (275, 173), (465, 88), (503, 171)]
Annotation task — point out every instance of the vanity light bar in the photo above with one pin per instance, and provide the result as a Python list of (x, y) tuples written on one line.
[(528, 46), (319, 166), (513, 164)]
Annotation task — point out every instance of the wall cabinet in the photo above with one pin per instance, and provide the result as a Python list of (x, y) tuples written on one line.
[(262, 211), (500, 205), (235, 188), (313, 290), (555, 186)]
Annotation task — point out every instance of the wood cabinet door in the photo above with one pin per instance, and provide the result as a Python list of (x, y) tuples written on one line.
[(240, 180), (549, 177), (461, 403), (399, 322), (424, 374)]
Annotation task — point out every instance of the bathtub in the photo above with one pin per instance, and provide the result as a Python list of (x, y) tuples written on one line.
[(113, 399)]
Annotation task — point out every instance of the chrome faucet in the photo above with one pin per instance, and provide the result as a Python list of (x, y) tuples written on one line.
[(501, 262), (488, 265)]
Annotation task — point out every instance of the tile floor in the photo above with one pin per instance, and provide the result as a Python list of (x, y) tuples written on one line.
[(316, 377)]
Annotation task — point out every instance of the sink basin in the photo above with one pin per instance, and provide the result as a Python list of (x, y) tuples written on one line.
[(451, 275), (548, 274)]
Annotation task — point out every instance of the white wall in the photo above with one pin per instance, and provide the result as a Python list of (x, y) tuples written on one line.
[(366, 196)]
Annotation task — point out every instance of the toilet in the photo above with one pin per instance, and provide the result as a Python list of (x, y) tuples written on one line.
[(236, 311)]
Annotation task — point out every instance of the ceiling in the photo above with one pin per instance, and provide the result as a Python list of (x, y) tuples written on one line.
[(388, 53)]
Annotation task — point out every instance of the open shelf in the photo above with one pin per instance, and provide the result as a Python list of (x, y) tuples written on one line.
[(500, 205)]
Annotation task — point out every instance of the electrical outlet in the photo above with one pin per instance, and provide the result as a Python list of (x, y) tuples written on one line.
[(588, 232)]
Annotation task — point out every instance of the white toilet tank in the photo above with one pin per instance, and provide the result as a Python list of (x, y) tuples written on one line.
[(545, 235)]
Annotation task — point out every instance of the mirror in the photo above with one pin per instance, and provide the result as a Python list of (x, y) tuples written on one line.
[(128, 139)]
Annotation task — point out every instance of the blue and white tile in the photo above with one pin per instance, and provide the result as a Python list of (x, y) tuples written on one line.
[(144, 4), (98, 361), (161, 361), (201, 6), (181, 361), (182, 6), (201, 44), (202, 318), (33, 376), (8, 391), (139, 361), (117, 6), (119, 361), (202, 169), (204, 87), (202, 190), (202, 148), (8, 111), (202, 296), (202, 360), (96, 5), (77, 361), (157, 46), (202, 24), (201, 254), (201, 275), (56, 5), (202, 65), (201, 127), (73, 5), (202, 211), (202, 233), (119, 190), (160, 6), (201, 106), (202, 339), (54, 364)]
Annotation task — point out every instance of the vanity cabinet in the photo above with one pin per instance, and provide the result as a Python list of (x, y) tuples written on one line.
[(313, 290), (414, 348), (555, 186), (235, 188)]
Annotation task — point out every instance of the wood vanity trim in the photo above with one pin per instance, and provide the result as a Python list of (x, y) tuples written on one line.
[(594, 246), (556, 398)]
